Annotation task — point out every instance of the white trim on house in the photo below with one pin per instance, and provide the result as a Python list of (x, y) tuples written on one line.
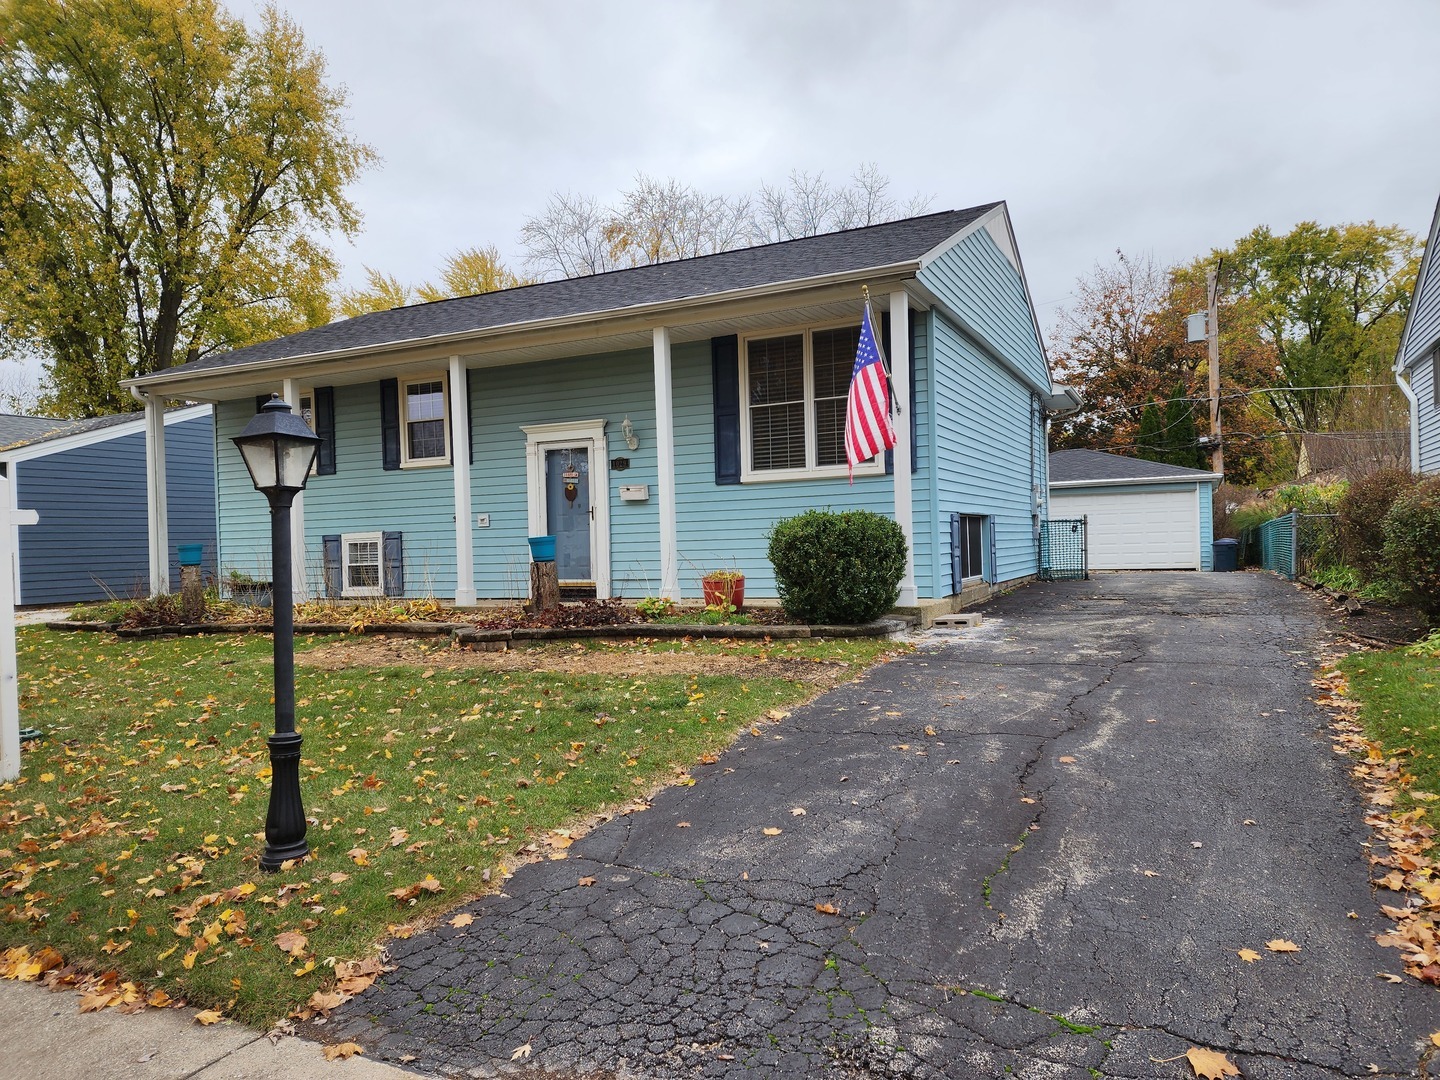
[(809, 471), (591, 434), (293, 394), (460, 456), (900, 384), (62, 443), (665, 464), (371, 537), (1190, 479), (447, 398)]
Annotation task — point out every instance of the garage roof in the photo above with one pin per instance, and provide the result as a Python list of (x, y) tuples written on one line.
[(1094, 466)]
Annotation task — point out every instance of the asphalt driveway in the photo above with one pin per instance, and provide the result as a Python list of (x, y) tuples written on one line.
[(1044, 840)]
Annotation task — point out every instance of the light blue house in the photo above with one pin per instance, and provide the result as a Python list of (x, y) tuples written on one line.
[(87, 481), (657, 420), (1419, 357)]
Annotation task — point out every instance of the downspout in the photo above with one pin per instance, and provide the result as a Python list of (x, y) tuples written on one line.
[(1409, 392)]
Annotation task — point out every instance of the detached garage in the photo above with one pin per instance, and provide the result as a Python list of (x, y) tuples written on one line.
[(1141, 515)]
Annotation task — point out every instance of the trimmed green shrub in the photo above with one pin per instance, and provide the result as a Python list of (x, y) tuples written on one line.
[(1362, 513), (837, 568), (1412, 545)]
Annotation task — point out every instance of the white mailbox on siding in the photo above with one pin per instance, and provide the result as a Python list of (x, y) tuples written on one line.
[(634, 492)]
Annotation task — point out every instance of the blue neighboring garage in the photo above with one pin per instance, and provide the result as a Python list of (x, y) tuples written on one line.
[(86, 481)]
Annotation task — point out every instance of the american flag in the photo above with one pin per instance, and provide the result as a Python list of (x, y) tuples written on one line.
[(867, 413)]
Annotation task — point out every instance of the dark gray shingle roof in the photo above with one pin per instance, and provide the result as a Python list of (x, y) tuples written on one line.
[(1076, 465), (16, 430), (791, 260)]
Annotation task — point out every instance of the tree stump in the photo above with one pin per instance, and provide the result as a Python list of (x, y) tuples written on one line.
[(192, 595), (544, 586)]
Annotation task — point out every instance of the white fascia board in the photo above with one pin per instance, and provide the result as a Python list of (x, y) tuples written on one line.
[(666, 312), (1062, 485), (1401, 365), (99, 435)]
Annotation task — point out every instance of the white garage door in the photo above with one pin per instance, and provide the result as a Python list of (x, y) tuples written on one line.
[(1152, 530)]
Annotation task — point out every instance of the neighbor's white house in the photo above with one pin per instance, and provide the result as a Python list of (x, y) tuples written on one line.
[(1419, 356)]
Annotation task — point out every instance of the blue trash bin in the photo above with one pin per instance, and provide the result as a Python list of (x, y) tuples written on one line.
[(1226, 555)]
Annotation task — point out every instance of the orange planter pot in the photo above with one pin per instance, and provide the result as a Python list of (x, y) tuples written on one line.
[(731, 591)]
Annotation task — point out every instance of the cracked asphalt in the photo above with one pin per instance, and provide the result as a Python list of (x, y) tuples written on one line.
[(1126, 783)]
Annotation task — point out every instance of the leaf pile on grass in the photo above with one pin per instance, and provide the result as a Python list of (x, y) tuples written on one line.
[(1388, 721), (129, 845)]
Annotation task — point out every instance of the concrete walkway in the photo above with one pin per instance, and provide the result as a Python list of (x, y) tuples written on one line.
[(1045, 839)]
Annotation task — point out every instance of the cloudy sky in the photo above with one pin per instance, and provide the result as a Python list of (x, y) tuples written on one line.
[(1149, 126)]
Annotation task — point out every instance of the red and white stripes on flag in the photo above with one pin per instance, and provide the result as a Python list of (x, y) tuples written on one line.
[(868, 430)]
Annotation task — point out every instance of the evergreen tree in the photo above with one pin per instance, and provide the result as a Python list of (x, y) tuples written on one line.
[(1181, 438), (1150, 439)]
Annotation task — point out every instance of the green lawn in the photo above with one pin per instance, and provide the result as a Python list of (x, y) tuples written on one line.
[(131, 840), (1399, 695)]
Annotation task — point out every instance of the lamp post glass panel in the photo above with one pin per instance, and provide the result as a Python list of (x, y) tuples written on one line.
[(278, 448)]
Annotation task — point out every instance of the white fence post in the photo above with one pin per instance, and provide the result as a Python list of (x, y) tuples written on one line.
[(9, 669)]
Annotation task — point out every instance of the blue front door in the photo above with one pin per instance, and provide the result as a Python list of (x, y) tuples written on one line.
[(567, 510)]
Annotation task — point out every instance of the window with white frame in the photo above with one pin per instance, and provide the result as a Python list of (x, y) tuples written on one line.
[(425, 429), (795, 388), (360, 567)]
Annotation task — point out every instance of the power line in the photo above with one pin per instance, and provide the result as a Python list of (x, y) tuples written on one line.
[(1241, 394)]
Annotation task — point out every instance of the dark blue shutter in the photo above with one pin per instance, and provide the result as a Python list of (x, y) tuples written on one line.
[(334, 581), (393, 561), (325, 428), (470, 413), (956, 572), (390, 424), (725, 367)]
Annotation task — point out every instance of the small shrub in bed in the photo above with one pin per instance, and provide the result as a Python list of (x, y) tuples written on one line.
[(1412, 545), (1362, 513), (840, 568)]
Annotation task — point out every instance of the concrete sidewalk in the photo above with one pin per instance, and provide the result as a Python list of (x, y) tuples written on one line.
[(46, 1037), (1030, 850)]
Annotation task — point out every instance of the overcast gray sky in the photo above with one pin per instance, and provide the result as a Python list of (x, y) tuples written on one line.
[(1150, 126)]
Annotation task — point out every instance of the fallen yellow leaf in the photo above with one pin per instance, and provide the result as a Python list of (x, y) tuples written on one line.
[(520, 1053), (463, 919), (1248, 955), (343, 1051), (209, 1016), (1209, 1065), (770, 831), (1281, 945)]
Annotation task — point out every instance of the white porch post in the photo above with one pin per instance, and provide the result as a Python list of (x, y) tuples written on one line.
[(290, 393), (460, 457), (900, 380), (155, 502), (665, 458), (9, 669)]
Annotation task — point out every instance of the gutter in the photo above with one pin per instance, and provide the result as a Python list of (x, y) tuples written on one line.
[(642, 312), (1192, 479), (1409, 391)]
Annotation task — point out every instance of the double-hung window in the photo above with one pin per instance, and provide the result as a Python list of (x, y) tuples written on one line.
[(425, 428), (794, 387), (361, 568)]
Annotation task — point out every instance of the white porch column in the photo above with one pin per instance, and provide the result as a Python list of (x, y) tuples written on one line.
[(900, 380), (460, 457), (155, 501), (299, 584), (10, 519), (665, 458)]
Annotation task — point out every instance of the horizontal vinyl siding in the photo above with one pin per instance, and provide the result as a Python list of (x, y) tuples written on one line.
[(1207, 525), (1424, 328), (92, 539), (982, 286), (726, 526), (608, 387), (922, 508), (360, 497), (986, 441), (1427, 414)]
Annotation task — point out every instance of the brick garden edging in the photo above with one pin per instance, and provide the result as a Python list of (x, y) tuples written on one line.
[(465, 634)]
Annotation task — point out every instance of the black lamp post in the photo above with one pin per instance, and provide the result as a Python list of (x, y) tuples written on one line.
[(279, 448)]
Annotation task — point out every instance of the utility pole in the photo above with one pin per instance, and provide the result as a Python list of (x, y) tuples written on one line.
[(1212, 328)]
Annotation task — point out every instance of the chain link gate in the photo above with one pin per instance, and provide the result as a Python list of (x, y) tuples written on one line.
[(1278, 546), (1063, 550)]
